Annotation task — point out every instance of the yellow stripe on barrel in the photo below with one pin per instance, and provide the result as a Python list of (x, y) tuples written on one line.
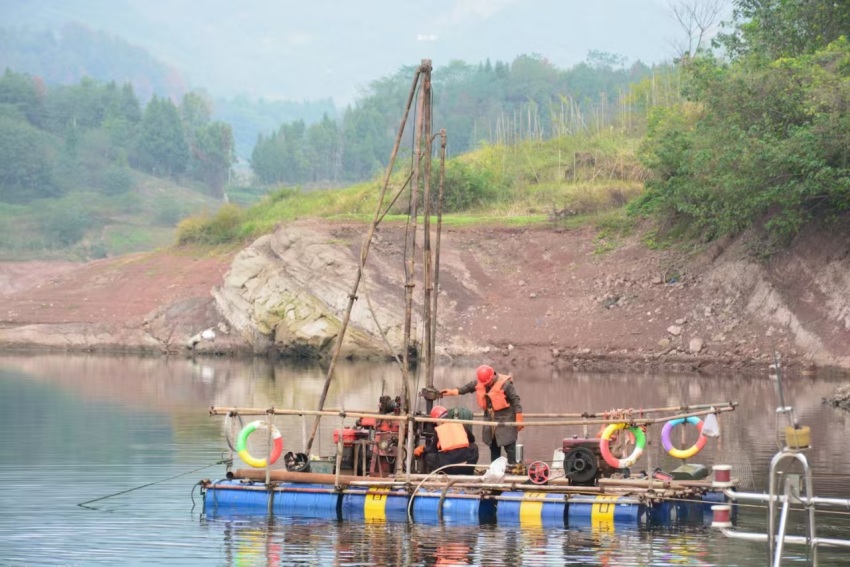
[(375, 504), (602, 511), (531, 511)]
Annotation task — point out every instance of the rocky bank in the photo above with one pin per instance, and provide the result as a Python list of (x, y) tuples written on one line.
[(568, 298)]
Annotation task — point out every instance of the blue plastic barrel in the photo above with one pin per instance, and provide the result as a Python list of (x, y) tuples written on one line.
[(374, 503), (296, 500), (230, 497), (458, 507), (531, 509), (672, 513), (603, 511)]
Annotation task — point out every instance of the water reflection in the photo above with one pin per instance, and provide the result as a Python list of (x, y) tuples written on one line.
[(82, 427)]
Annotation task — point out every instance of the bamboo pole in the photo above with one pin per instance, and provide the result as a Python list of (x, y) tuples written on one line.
[(422, 419), (614, 487), (424, 90), (421, 135), (365, 413), (364, 251), (430, 379), (427, 262)]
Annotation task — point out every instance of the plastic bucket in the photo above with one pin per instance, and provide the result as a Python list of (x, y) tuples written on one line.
[(798, 438)]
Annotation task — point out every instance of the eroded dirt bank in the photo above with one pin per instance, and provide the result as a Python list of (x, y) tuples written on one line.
[(508, 296)]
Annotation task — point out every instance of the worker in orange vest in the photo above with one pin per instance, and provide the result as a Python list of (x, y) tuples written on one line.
[(497, 396), (451, 444)]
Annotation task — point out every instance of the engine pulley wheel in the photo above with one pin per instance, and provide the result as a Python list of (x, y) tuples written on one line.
[(580, 465)]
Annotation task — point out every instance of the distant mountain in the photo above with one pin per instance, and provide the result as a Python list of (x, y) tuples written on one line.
[(75, 51), (333, 48)]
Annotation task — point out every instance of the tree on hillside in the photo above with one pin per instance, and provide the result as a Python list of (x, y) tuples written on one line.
[(26, 162), (162, 148), (785, 28), (195, 111), (122, 104), (213, 155), (762, 140), (323, 143), (362, 153), (25, 93), (698, 20)]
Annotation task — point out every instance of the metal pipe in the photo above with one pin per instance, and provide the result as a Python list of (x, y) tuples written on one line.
[(349, 482), (797, 540), (783, 523), (760, 497), (647, 483), (286, 476)]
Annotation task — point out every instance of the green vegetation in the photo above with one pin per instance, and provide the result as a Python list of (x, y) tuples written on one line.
[(761, 141), (758, 139), (506, 103), (531, 182), (77, 160)]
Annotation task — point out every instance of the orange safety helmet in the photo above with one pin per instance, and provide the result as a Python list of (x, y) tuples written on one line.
[(485, 373), (438, 411)]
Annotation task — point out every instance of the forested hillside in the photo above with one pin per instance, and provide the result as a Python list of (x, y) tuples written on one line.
[(67, 55), (73, 52), (501, 103), (750, 134), (73, 158), (761, 138)]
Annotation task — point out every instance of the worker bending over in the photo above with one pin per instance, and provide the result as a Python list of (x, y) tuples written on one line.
[(497, 396), (451, 444)]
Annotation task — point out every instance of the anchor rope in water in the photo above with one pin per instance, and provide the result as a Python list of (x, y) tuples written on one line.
[(83, 504)]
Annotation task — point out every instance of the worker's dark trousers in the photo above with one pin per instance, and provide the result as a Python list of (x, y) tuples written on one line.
[(510, 451)]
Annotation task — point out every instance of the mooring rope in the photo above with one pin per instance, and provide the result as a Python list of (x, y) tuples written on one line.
[(83, 504)]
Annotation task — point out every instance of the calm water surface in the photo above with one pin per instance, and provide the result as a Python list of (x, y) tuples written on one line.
[(78, 428)]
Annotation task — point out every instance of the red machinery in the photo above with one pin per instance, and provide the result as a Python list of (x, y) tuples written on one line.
[(373, 441)]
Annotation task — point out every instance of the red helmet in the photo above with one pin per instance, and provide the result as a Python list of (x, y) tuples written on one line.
[(485, 373), (438, 411)]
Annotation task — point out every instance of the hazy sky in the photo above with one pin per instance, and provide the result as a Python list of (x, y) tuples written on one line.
[(327, 48)]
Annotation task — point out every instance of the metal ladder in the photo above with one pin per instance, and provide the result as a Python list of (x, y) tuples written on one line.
[(790, 486), (784, 488)]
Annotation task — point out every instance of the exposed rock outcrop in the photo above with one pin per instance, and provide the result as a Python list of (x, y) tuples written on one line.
[(840, 399), (287, 293)]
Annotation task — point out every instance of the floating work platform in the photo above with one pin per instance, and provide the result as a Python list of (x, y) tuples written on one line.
[(583, 487), (463, 500)]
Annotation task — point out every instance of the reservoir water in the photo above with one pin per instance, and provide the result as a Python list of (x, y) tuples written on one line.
[(137, 431)]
